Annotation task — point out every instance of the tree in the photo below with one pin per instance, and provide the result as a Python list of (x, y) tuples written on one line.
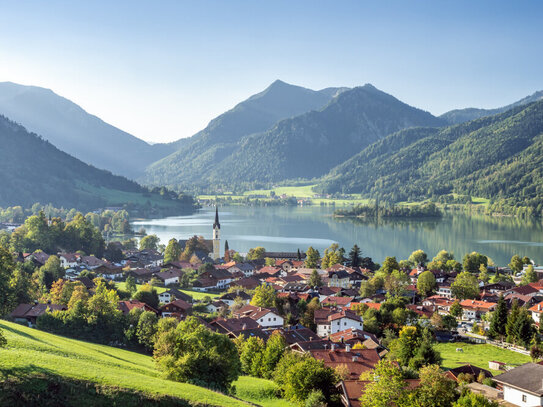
[(3, 341), (194, 354), (312, 258), (386, 385), (511, 321), (130, 285), (172, 252), (113, 253), (449, 322), (146, 329), (251, 355), (465, 286), (529, 276), (435, 389), (264, 296), (418, 258), (499, 320), (305, 376), (332, 255), (355, 256), (426, 283), (483, 273), (367, 289), (516, 264), (315, 279), (51, 271), (469, 399), (315, 399), (308, 318), (226, 252), (275, 348), (395, 283), (389, 265), (256, 253), (149, 242), (404, 348), (148, 295), (472, 262), (523, 328)]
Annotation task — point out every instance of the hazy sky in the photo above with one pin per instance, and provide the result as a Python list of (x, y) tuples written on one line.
[(162, 69)]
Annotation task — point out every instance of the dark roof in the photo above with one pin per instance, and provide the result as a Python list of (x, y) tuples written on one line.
[(233, 295), (298, 335), (527, 377), (230, 325), (469, 369), (35, 310), (180, 295)]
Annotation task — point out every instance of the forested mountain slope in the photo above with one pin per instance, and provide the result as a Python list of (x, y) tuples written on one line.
[(498, 157), (201, 153), (80, 134), (33, 170)]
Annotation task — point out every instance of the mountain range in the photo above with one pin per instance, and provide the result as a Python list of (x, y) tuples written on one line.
[(33, 170), (498, 157), (73, 130), (347, 140)]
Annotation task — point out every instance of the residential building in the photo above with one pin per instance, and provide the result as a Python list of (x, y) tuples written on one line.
[(523, 385)]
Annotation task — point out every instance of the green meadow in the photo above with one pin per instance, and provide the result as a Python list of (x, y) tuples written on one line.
[(31, 353)]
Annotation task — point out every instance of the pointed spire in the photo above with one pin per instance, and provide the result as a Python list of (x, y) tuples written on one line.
[(216, 224)]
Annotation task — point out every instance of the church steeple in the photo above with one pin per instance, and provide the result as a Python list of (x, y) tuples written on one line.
[(216, 236), (216, 224)]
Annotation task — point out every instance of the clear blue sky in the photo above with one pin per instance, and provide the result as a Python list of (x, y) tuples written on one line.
[(162, 69)]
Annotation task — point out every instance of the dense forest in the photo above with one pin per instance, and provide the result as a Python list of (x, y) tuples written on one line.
[(382, 211), (498, 157), (33, 170)]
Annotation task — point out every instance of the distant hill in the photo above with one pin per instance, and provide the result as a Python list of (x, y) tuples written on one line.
[(458, 116), (201, 153), (497, 157), (80, 134), (311, 144), (33, 170)]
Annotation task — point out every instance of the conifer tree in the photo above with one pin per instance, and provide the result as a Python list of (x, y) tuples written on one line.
[(499, 320), (511, 321)]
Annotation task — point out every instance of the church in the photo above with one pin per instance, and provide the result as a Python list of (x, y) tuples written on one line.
[(216, 236)]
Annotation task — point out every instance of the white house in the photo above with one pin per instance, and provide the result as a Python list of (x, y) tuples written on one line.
[(266, 317), (171, 276), (69, 260), (339, 321), (523, 385), (537, 310)]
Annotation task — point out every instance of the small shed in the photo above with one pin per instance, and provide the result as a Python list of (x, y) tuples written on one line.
[(495, 365)]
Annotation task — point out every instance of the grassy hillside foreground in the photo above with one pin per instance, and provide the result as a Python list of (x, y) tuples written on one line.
[(75, 373)]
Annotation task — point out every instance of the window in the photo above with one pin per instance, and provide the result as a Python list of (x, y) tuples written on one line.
[(524, 398)]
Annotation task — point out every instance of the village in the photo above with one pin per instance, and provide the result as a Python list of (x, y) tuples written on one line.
[(330, 308)]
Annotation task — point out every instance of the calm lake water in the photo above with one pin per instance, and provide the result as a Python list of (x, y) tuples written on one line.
[(290, 228)]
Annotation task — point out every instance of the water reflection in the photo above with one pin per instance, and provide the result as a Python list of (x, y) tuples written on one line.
[(290, 228)]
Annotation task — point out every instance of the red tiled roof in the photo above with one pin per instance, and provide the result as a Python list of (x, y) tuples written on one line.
[(357, 361)]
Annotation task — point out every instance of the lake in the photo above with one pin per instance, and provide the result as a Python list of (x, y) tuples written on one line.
[(289, 228)]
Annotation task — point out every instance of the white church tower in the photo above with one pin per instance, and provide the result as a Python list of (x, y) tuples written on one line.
[(216, 236)]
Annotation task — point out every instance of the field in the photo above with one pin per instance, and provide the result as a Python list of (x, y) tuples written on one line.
[(197, 295), (478, 355), (30, 351), (259, 391), (300, 192)]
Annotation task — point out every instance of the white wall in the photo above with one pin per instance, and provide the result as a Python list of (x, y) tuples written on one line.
[(514, 396)]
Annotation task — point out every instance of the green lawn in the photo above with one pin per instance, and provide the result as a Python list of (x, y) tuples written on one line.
[(31, 350), (259, 391), (305, 191), (197, 295), (478, 355)]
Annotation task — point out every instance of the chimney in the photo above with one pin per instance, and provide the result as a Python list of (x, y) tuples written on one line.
[(355, 358), (539, 307), (333, 347), (347, 348), (310, 338), (325, 346), (244, 326)]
